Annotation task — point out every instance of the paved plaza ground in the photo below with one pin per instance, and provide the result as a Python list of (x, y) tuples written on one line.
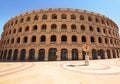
[(61, 72)]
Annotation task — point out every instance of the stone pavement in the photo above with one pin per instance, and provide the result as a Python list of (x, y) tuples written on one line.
[(105, 71)]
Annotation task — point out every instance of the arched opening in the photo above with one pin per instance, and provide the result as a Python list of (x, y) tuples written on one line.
[(83, 54), (5, 54), (92, 39), (63, 27), (83, 39), (9, 55), (1, 54), (26, 28), (43, 27), (64, 54), (28, 19), (41, 55), (43, 39), (74, 54), (106, 40), (91, 28), (31, 54), (33, 39), (21, 21), (64, 38), (82, 27), (101, 54), (52, 54), (64, 16), (54, 16), (94, 54), (99, 40), (98, 29), (15, 54), (53, 38), (96, 19), (44, 17), (36, 17), (20, 30), (73, 27), (12, 41), (73, 17), (81, 17), (18, 40), (114, 55), (35, 28), (22, 54), (89, 18), (74, 38), (108, 54), (14, 31), (53, 27), (25, 39)]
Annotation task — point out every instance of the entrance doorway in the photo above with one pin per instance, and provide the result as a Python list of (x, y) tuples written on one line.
[(52, 54)]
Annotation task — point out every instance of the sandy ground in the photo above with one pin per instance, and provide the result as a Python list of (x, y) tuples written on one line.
[(61, 72)]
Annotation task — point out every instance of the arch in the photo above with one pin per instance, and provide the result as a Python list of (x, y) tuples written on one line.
[(73, 27), (82, 27), (64, 54), (22, 54), (28, 19), (18, 40), (106, 40), (10, 32), (43, 38), (5, 54), (44, 17), (98, 29), (52, 54), (73, 17), (16, 21), (108, 54), (33, 39), (114, 55), (15, 54), (96, 19), (14, 31), (82, 17), (74, 54), (25, 39), (63, 16), (35, 28), (99, 40), (8, 41), (91, 28), (36, 17), (63, 27), (41, 55), (9, 54), (63, 38), (101, 54), (94, 54), (53, 27), (44, 27), (74, 38), (12, 41), (53, 38), (92, 39), (89, 18), (26, 28), (83, 38), (20, 29), (104, 30), (31, 54), (21, 20), (54, 16)]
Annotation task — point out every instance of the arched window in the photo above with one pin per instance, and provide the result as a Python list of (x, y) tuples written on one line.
[(111, 41), (43, 38), (94, 54), (83, 39), (20, 29), (53, 27), (5, 54), (82, 27), (54, 16), (73, 17), (9, 54), (98, 29), (10, 32), (33, 39), (90, 28), (74, 38), (26, 28), (16, 21), (81, 17), (25, 39), (15, 54), (41, 55), (104, 31), (89, 18), (113, 53), (52, 54), (101, 54), (43, 27), (14, 31), (31, 54), (44, 17), (102, 21), (106, 40), (36, 17), (63, 27), (96, 19), (99, 40), (64, 54), (64, 38), (92, 39), (18, 40), (73, 27), (28, 19), (22, 54), (108, 54), (12, 41), (8, 41), (21, 21), (35, 28), (53, 38), (64, 16)]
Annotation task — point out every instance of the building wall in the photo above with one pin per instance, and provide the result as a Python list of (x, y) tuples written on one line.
[(100, 33)]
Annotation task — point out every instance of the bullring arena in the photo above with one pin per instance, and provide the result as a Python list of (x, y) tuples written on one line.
[(53, 40), (59, 34)]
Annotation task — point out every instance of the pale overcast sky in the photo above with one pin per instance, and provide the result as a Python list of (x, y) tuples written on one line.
[(11, 8)]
